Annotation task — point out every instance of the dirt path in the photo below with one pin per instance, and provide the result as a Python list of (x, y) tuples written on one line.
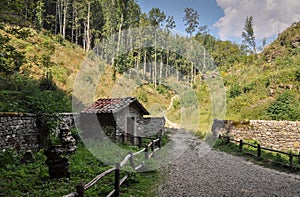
[(221, 174), (168, 122)]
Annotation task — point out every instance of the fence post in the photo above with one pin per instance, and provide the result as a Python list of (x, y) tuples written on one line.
[(146, 152), (227, 140), (117, 180), (152, 146), (291, 160), (131, 160), (140, 141), (258, 151), (299, 157), (80, 190), (241, 145), (123, 138), (159, 142)]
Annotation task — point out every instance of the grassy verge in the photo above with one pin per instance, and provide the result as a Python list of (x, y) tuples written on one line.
[(268, 159), (33, 179)]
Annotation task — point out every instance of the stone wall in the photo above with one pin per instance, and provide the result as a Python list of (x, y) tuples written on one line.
[(21, 131), (18, 131), (278, 135), (150, 126)]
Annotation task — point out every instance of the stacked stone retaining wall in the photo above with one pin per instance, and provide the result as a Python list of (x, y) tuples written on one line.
[(278, 135), (21, 131)]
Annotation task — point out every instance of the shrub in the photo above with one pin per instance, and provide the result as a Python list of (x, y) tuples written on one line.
[(235, 91), (297, 74), (9, 158), (10, 59), (285, 107), (142, 96)]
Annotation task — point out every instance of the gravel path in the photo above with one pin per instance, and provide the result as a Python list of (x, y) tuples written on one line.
[(221, 174)]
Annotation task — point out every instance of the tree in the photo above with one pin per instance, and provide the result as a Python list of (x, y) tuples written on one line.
[(39, 14), (191, 20), (248, 34), (156, 17), (170, 23)]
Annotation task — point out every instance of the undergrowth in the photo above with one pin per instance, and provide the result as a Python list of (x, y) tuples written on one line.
[(268, 159), (33, 179)]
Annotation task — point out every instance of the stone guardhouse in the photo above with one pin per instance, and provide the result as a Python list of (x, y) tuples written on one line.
[(120, 116)]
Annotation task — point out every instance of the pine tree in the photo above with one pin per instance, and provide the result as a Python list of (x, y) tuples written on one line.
[(248, 34), (191, 20)]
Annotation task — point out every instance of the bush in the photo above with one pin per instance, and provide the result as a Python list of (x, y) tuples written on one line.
[(9, 158), (10, 59), (142, 96), (285, 107), (235, 91), (48, 101), (297, 74)]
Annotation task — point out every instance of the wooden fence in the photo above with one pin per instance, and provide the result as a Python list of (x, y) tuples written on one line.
[(149, 152), (259, 148)]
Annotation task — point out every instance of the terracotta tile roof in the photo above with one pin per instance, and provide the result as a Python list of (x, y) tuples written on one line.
[(113, 105)]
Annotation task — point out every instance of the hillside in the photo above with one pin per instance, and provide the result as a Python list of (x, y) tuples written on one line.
[(272, 76), (265, 86), (37, 70)]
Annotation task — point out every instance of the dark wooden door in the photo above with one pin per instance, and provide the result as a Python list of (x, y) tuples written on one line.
[(130, 125)]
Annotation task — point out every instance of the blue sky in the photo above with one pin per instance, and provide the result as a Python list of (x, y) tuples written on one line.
[(208, 10), (226, 18)]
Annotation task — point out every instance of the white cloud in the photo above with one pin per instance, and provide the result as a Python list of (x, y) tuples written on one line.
[(269, 16)]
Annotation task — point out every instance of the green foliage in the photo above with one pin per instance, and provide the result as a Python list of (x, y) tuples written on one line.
[(23, 94), (235, 91), (297, 74), (156, 16), (20, 33), (142, 96), (48, 101), (33, 179), (9, 158), (248, 87), (10, 58), (285, 107), (39, 11), (191, 19), (176, 104), (189, 99), (268, 159), (46, 83), (248, 34)]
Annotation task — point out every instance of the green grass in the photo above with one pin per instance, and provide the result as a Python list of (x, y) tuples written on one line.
[(268, 159), (33, 179)]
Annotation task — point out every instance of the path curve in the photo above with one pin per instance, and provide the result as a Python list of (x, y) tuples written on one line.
[(169, 123), (221, 174)]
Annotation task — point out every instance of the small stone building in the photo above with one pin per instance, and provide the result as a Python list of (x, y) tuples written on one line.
[(120, 116)]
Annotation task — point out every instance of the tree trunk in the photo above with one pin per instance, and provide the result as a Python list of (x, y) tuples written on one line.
[(145, 63), (73, 23), (59, 14), (88, 31), (65, 3), (155, 60), (161, 68), (167, 65)]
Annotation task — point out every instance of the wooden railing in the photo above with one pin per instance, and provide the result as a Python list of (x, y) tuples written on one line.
[(259, 148), (149, 152)]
